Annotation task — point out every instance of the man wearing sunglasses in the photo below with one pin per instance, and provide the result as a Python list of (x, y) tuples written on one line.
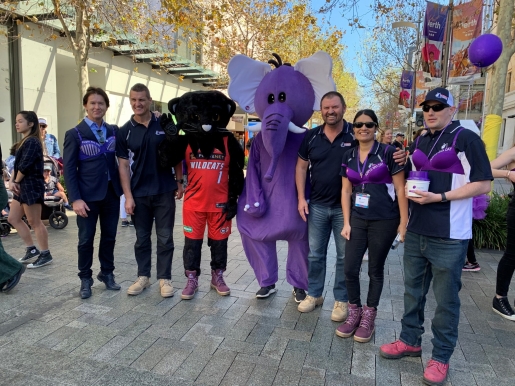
[(322, 152), (51, 147), (439, 228)]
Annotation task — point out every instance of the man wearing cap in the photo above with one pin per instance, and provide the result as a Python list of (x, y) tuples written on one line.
[(439, 228), (51, 147), (399, 141), (10, 268)]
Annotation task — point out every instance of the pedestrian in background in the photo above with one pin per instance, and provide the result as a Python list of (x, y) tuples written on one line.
[(28, 186), (50, 144), (506, 267), (10, 269)]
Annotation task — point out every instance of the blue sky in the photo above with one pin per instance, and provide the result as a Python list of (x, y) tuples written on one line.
[(353, 38)]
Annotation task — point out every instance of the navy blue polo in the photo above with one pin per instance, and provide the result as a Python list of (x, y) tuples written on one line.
[(325, 160), (149, 178), (451, 219), (383, 203)]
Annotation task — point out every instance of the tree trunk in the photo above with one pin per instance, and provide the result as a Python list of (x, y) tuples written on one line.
[(493, 120), (82, 69)]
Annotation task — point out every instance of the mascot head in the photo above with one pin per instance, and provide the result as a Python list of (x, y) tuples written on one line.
[(202, 112), (284, 98)]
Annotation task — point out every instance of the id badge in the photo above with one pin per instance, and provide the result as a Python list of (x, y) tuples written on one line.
[(362, 200)]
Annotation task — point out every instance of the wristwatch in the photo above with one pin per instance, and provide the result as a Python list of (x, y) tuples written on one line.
[(444, 199), (181, 181)]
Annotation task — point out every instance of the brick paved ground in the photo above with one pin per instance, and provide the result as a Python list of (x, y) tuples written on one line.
[(49, 336)]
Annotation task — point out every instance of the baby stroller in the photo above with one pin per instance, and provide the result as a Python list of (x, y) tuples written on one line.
[(53, 208)]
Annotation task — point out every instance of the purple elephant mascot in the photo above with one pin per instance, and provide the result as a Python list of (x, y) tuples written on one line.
[(284, 99)]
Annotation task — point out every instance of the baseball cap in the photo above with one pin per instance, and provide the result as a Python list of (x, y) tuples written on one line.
[(47, 167), (401, 134), (441, 95), (42, 121)]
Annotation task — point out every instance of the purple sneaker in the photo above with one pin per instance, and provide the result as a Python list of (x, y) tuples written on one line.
[(351, 323), (218, 282), (191, 286), (366, 327)]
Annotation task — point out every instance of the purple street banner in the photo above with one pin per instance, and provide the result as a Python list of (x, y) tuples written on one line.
[(466, 26), (434, 35), (407, 79)]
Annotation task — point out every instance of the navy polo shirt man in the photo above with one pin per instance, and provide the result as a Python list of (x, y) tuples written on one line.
[(150, 192), (321, 152), (439, 230)]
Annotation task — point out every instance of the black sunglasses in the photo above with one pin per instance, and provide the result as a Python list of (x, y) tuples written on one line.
[(43, 126), (368, 125), (436, 108)]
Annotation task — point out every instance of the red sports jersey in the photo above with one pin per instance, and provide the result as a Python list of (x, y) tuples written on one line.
[(208, 180)]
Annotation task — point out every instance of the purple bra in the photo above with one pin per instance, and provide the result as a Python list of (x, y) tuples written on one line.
[(90, 149), (375, 174), (445, 160)]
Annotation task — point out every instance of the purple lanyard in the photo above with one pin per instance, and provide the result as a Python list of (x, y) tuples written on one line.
[(361, 171)]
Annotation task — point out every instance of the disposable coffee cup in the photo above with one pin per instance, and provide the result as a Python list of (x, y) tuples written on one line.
[(417, 181)]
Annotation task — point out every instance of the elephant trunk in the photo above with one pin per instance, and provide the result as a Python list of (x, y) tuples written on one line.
[(274, 129)]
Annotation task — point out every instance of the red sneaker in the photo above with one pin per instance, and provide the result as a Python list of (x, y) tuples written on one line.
[(398, 349), (435, 373)]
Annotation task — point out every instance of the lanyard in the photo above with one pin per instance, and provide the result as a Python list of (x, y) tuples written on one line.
[(361, 171)]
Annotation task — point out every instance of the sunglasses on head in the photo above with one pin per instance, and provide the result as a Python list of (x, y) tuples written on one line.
[(368, 125), (436, 108)]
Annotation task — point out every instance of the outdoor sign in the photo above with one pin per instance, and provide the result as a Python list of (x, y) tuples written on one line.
[(406, 86), (466, 26), (434, 35)]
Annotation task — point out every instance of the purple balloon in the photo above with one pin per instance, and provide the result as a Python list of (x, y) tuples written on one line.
[(485, 50)]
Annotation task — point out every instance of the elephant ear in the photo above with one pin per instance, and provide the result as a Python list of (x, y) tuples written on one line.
[(318, 69), (245, 76)]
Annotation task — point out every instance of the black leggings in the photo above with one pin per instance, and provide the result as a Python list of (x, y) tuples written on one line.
[(377, 236), (507, 264)]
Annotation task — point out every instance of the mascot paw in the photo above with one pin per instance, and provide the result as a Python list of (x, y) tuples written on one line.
[(230, 210), (168, 125), (256, 209)]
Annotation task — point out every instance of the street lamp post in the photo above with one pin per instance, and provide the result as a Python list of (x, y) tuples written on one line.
[(416, 26)]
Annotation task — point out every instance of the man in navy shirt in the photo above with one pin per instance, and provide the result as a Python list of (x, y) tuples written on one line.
[(149, 193), (439, 229), (322, 151)]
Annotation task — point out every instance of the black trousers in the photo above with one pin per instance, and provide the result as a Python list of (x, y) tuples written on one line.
[(377, 236), (193, 250), (507, 264), (107, 210), (161, 208)]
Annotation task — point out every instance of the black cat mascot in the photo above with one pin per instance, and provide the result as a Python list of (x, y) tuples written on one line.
[(214, 163)]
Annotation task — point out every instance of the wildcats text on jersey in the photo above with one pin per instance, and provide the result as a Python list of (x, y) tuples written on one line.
[(207, 165)]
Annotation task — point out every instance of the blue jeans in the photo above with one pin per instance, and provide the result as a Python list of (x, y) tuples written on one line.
[(427, 258), (321, 221)]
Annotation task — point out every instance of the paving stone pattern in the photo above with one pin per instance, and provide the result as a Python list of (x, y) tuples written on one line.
[(49, 336)]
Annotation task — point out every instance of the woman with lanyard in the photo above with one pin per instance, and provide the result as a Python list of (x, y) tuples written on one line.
[(504, 167), (28, 186), (375, 209)]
